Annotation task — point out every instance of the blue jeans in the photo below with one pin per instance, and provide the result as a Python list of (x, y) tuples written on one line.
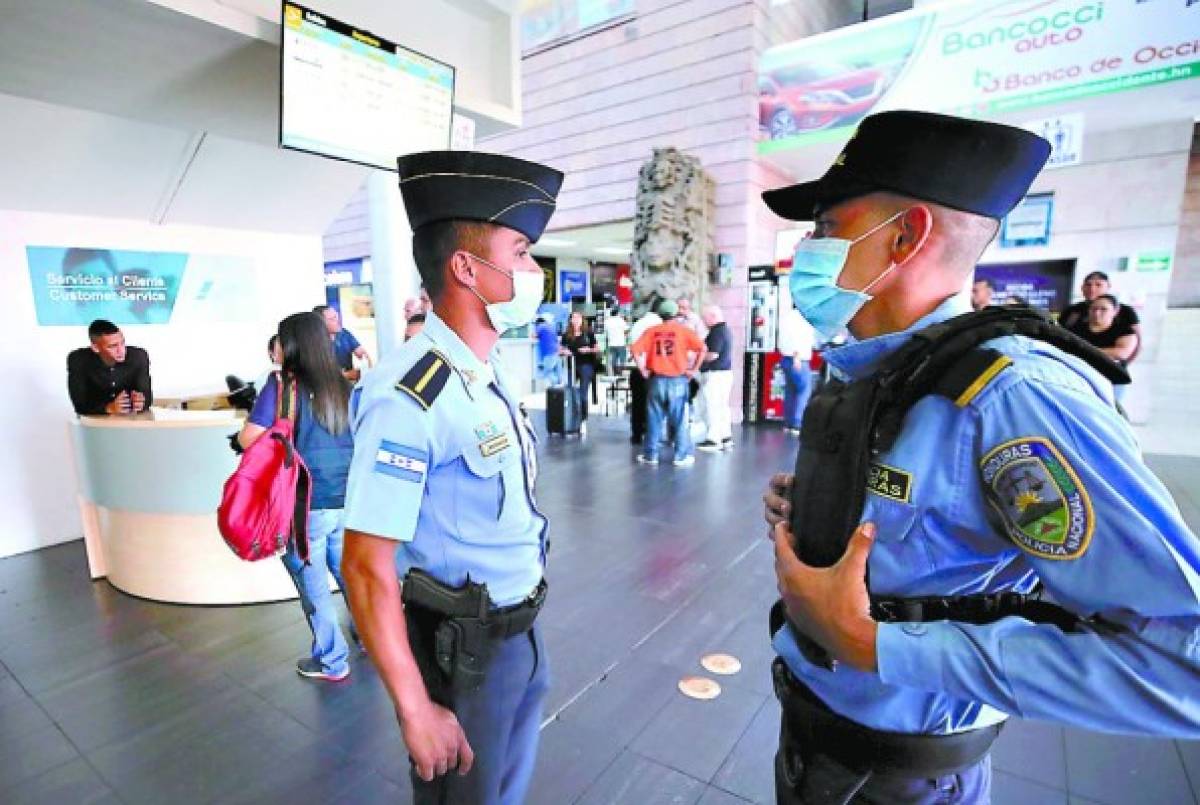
[(798, 378), (550, 369), (666, 403), (326, 528)]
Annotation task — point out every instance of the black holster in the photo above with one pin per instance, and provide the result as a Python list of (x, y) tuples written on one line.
[(453, 631)]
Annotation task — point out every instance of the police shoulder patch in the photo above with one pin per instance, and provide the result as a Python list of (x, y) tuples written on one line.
[(1042, 503), (426, 379)]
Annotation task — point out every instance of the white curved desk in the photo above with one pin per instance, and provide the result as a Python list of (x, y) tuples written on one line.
[(148, 493)]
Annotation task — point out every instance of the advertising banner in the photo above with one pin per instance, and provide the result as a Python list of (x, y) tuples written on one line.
[(1044, 284), (72, 286), (572, 286), (979, 58)]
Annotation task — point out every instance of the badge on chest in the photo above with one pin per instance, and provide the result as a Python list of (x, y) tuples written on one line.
[(491, 439), (889, 482)]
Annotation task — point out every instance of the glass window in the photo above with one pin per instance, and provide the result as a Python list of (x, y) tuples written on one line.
[(546, 21)]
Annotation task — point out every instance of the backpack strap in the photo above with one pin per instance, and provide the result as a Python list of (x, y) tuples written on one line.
[(285, 398)]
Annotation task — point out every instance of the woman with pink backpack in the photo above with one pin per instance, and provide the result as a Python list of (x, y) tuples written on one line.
[(325, 444)]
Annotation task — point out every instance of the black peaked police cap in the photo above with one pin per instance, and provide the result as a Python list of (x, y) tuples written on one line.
[(969, 165), (474, 186)]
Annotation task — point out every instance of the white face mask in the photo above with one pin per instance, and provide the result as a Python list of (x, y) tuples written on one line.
[(520, 310)]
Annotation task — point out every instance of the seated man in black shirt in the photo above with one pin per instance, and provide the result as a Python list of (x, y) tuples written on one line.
[(109, 377)]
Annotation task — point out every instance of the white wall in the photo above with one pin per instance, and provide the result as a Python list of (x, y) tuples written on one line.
[(37, 484), (1123, 199)]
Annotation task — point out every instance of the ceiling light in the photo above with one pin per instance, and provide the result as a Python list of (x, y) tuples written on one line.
[(611, 250), (552, 242)]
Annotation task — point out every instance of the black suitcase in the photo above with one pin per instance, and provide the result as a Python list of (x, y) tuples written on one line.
[(563, 409)]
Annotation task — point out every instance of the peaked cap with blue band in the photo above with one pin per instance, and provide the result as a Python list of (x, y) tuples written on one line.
[(969, 165), (474, 186)]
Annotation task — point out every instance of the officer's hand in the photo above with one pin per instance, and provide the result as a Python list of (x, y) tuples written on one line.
[(776, 500), (138, 403), (436, 742), (831, 605)]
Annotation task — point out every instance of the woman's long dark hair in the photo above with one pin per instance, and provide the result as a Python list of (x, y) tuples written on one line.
[(308, 356)]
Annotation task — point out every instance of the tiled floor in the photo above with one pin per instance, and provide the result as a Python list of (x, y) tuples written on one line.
[(107, 699)]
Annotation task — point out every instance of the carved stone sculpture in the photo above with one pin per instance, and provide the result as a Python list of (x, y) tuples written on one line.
[(673, 230)]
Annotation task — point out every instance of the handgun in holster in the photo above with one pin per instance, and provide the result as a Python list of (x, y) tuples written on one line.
[(449, 633)]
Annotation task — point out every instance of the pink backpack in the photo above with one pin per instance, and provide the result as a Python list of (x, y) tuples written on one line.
[(265, 502)]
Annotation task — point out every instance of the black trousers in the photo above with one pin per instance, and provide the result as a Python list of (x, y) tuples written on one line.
[(637, 405)]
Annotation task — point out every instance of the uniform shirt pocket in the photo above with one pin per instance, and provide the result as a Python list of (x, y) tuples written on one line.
[(482, 490)]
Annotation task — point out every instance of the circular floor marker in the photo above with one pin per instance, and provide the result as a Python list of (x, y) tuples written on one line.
[(723, 664), (699, 687)]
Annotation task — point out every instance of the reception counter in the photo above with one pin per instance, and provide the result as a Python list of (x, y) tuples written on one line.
[(148, 493)]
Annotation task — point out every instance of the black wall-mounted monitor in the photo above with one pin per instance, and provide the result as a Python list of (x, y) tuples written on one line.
[(349, 94)]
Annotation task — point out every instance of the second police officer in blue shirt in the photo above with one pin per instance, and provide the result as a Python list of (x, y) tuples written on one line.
[(1008, 470), (441, 489)]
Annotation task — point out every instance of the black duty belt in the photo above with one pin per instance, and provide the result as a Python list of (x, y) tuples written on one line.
[(518, 618), (818, 729)]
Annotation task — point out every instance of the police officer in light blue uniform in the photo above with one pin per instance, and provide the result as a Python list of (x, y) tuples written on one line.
[(441, 488), (1025, 475)]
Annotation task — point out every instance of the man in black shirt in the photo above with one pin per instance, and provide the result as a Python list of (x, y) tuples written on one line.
[(716, 381), (108, 377), (1095, 285)]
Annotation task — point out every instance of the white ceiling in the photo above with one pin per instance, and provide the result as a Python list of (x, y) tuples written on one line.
[(168, 110), (589, 242)]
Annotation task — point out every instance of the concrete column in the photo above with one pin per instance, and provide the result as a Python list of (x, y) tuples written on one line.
[(395, 274)]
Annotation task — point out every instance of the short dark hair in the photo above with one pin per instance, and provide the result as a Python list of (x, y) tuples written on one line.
[(1096, 275), (320, 309), (991, 285), (1107, 297), (434, 243), (102, 327)]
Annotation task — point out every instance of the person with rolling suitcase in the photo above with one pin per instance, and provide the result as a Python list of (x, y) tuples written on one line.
[(564, 416)]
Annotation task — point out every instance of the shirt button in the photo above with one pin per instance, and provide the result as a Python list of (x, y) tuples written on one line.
[(914, 629)]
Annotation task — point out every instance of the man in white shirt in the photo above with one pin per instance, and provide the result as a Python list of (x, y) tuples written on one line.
[(615, 329), (796, 347)]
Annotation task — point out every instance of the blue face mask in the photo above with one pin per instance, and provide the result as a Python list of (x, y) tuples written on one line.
[(816, 266)]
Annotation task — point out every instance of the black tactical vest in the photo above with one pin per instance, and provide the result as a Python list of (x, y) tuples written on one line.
[(847, 425)]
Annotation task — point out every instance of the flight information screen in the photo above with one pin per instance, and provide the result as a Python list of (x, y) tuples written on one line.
[(350, 94)]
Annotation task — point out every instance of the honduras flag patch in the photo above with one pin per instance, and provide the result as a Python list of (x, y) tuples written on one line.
[(401, 461)]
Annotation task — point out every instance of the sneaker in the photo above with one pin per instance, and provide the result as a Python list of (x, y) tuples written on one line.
[(311, 669), (727, 444), (793, 431), (643, 460), (684, 462), (708, 446)]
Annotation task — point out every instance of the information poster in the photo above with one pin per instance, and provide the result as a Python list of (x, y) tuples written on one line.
[(350, 94), (73, 286)]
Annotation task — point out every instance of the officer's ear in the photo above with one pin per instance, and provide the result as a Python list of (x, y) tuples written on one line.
[(916, 225), (463, 268)]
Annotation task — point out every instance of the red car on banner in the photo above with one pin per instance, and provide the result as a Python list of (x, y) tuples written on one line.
[(808, 97)]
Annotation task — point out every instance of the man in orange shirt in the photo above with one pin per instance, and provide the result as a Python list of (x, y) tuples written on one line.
[(668, 354)]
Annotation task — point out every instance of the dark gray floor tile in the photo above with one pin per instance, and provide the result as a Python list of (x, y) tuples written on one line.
[(74, 782), (626, 699), (1033, 750), (749, 771), (1120, 769), (372, 789), (570, 758), (633, 778), (696, 737), (715, 796), (27, 756), (316, 773), (1008, 789), (1190, 752)]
